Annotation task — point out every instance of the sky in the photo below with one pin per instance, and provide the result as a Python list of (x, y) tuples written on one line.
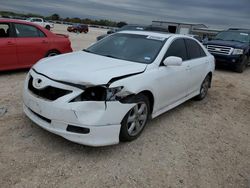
[(213, 13)]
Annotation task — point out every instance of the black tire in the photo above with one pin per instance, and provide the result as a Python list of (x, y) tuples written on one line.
[(204, 88), (242, 65), (52, 53), (47, 27), (132, 130)]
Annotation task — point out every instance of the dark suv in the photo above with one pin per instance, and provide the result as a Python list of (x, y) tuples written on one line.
[(231, 47), (78, 28)]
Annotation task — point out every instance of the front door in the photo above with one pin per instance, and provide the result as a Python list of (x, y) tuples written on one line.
[(173, 81)]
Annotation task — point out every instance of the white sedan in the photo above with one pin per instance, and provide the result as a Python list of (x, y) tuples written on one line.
[(107, 92)]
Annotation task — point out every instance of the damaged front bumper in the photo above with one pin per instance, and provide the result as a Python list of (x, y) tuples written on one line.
[(93, 123)]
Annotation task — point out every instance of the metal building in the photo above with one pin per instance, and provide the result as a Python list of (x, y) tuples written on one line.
[(180, 28)]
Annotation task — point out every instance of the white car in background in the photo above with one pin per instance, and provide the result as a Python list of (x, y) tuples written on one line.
[(107, 93), (41, 22)]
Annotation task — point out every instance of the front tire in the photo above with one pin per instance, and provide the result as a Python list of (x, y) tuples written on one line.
[(136, 119), (242, 65)]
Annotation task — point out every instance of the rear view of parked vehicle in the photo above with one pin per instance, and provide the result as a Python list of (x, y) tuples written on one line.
[(78, 28), (231, 47), (23, 43), (108, 92)]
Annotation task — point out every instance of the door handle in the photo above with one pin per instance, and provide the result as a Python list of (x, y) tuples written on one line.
[(188, 68), (45, 42), (10, 43)]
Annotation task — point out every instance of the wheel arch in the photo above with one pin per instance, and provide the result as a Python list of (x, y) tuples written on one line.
[(248, 53), (210, 74), (47, 26), (52, 50), (150, 97)]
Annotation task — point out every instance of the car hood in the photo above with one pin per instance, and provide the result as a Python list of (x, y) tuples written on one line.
[(233, 44), (83, 68)]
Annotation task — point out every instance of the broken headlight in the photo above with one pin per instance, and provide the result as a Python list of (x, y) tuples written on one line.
[(98, 93), (112, 93)]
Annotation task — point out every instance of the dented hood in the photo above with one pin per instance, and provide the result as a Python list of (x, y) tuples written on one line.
[(84, 68)]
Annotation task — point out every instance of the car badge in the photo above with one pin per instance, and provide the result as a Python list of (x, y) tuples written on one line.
[(37, 83)]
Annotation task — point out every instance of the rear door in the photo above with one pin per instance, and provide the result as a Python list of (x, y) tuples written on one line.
[(32, 44), (7, 47), (197, 63)]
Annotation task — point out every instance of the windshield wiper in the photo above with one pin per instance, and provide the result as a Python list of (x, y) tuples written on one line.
[(236, 41), (107, 55), (218, 39), (85, 50)]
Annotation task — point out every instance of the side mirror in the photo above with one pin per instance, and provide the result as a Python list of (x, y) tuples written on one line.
[(172, 61)]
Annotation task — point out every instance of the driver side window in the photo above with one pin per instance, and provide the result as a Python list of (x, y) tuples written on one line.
[(178, 49), (4, 30)]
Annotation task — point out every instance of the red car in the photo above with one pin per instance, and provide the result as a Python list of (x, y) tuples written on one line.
[(23, 43), (78, 28)]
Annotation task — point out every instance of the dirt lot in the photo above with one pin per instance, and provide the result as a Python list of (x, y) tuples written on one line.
[(198, 144)]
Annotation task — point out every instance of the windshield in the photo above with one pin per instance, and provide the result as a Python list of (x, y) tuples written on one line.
[(233, 36), (130, 47)]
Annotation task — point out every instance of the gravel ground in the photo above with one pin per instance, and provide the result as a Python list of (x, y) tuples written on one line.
[(198, 144)]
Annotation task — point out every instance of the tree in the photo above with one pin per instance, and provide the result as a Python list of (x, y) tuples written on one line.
[(55, 17), (121, 24)]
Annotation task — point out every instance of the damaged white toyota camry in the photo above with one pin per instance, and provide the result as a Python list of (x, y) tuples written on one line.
[(107, 93)]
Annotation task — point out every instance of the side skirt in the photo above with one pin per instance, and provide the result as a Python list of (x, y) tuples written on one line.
[(171, 106)]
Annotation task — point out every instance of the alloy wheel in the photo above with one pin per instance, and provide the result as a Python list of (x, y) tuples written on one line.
[(137, 118), (205, 87)]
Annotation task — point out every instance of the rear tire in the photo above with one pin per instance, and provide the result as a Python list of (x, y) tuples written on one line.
[(47, 27), (136, 119), (242, 65), (52, 53), (204, 88)]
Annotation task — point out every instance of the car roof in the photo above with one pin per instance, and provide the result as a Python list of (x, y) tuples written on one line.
[(15, 21), (239, 30), (154, 34)]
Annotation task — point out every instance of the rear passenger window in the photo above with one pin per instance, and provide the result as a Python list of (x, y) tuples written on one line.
[(178, 49), (23, 30), (203, 54), (41, 34), (194, 49), (4, 30)]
